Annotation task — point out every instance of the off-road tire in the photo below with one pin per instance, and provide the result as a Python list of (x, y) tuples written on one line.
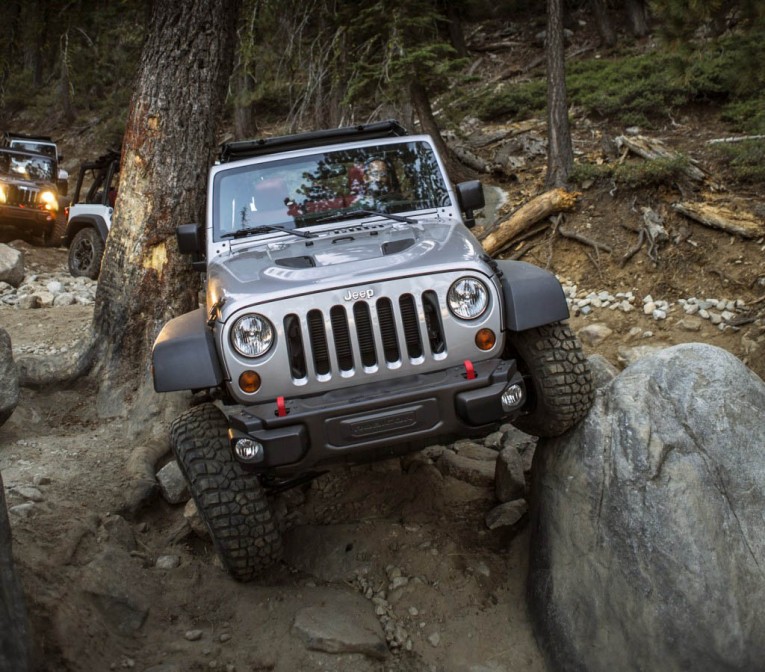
[(231, 502), (557, 377), (85, 253)]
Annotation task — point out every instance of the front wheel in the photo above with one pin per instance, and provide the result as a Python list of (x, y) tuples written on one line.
[(232, 502), (557, 376), (85, 253)]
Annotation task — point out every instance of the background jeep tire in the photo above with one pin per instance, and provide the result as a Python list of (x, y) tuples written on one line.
[(557, 376), (85, 253), (232, 502)]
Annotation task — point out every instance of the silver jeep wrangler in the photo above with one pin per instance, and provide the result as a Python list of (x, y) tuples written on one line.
[(350, 316)]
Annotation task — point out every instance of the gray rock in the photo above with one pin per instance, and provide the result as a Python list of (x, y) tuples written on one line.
[(120, 532), (14, 634), (477, 472), (474, 451), (11, 266), (29, 492), (343, 623), (192, 517), (689, 324), (116, 589), (629, 355), (506, 514), (9, 378), (168, 562), (594, 334), (509, 481), (603, 372), (172, 484), (648, 536), (193, 635)]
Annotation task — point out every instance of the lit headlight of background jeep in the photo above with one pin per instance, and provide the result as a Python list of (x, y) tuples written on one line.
[(48, 200)]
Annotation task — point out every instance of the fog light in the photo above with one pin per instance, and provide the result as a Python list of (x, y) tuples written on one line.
[(249, 450), (512, 397)]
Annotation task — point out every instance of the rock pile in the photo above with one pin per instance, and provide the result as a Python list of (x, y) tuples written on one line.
[(721, 312)]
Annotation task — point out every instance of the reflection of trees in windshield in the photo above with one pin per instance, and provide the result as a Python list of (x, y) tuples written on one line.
[(30, 168), (394, 178)]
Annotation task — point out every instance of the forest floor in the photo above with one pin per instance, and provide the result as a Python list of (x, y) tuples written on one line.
[(97, 599)]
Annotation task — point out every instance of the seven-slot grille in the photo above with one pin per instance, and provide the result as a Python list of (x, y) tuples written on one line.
[(21, 195), (364, 336)]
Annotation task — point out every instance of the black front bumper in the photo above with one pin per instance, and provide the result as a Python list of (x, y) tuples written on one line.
[(377, 421), (29, 218)]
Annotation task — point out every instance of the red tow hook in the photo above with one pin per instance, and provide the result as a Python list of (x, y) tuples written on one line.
[(281, 407), (469, 369)]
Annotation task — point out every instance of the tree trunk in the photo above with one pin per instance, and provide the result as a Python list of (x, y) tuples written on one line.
[(560, 153), (421, 102), (65, 98), (637, 13), (244, 120), (14, 649), (456, 34), (603, 22), (167, 149)]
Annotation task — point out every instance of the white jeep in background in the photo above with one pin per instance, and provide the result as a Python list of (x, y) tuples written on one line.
[(89, 218)]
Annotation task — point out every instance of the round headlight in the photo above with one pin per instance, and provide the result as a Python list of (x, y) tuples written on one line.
[(252, 335), (49, 199), (468, 298)]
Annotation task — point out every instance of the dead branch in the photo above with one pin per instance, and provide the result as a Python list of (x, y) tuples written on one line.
[(579, 238), (652, 149), (523, 251), (538, 208), (519, 239), (467, 157), (633, 250), (740, 138), (741, 223)]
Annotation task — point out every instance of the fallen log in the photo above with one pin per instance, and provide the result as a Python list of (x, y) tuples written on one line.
[(741, 223), (652, 149), (538, 208)]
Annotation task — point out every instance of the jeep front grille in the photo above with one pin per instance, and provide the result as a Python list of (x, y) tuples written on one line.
[(364, 336), (21, 196)]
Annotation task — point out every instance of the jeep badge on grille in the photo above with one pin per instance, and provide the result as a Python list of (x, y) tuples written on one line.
[(355, 296)]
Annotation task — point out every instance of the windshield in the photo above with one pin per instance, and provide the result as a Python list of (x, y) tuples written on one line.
[(32, 146), (27, 167), (325, 187)]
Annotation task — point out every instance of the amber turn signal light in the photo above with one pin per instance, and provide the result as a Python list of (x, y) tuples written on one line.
[(249, 381), (485, 339)]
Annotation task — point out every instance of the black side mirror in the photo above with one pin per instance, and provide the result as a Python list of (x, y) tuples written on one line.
[(470, 197), (188, 238), (63, 187)]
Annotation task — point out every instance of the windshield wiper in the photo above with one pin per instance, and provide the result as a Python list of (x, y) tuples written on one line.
[(265, 228), (350, 214)]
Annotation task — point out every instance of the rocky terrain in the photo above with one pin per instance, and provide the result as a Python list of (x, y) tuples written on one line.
[(413, 564)]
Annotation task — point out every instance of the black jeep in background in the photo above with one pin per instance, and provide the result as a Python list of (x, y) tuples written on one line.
[(29, 197)]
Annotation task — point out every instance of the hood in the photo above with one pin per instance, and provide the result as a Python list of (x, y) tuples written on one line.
[(287, 266)]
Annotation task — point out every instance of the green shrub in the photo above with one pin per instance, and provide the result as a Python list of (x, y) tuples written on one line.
[(633, 174), (746, 160)]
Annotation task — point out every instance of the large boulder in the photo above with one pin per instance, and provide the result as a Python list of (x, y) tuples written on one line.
[(9, 378), (11, 265), (648, 534), (14, 648)]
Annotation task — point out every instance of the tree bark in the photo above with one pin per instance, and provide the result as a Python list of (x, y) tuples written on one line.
[(421, 102), (637, 13), (167, 150), (560, 152), (535, 210), (603, 22)]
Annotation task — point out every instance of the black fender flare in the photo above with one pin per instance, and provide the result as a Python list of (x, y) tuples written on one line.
[(84, 221), (184, 355), (532, 296)]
